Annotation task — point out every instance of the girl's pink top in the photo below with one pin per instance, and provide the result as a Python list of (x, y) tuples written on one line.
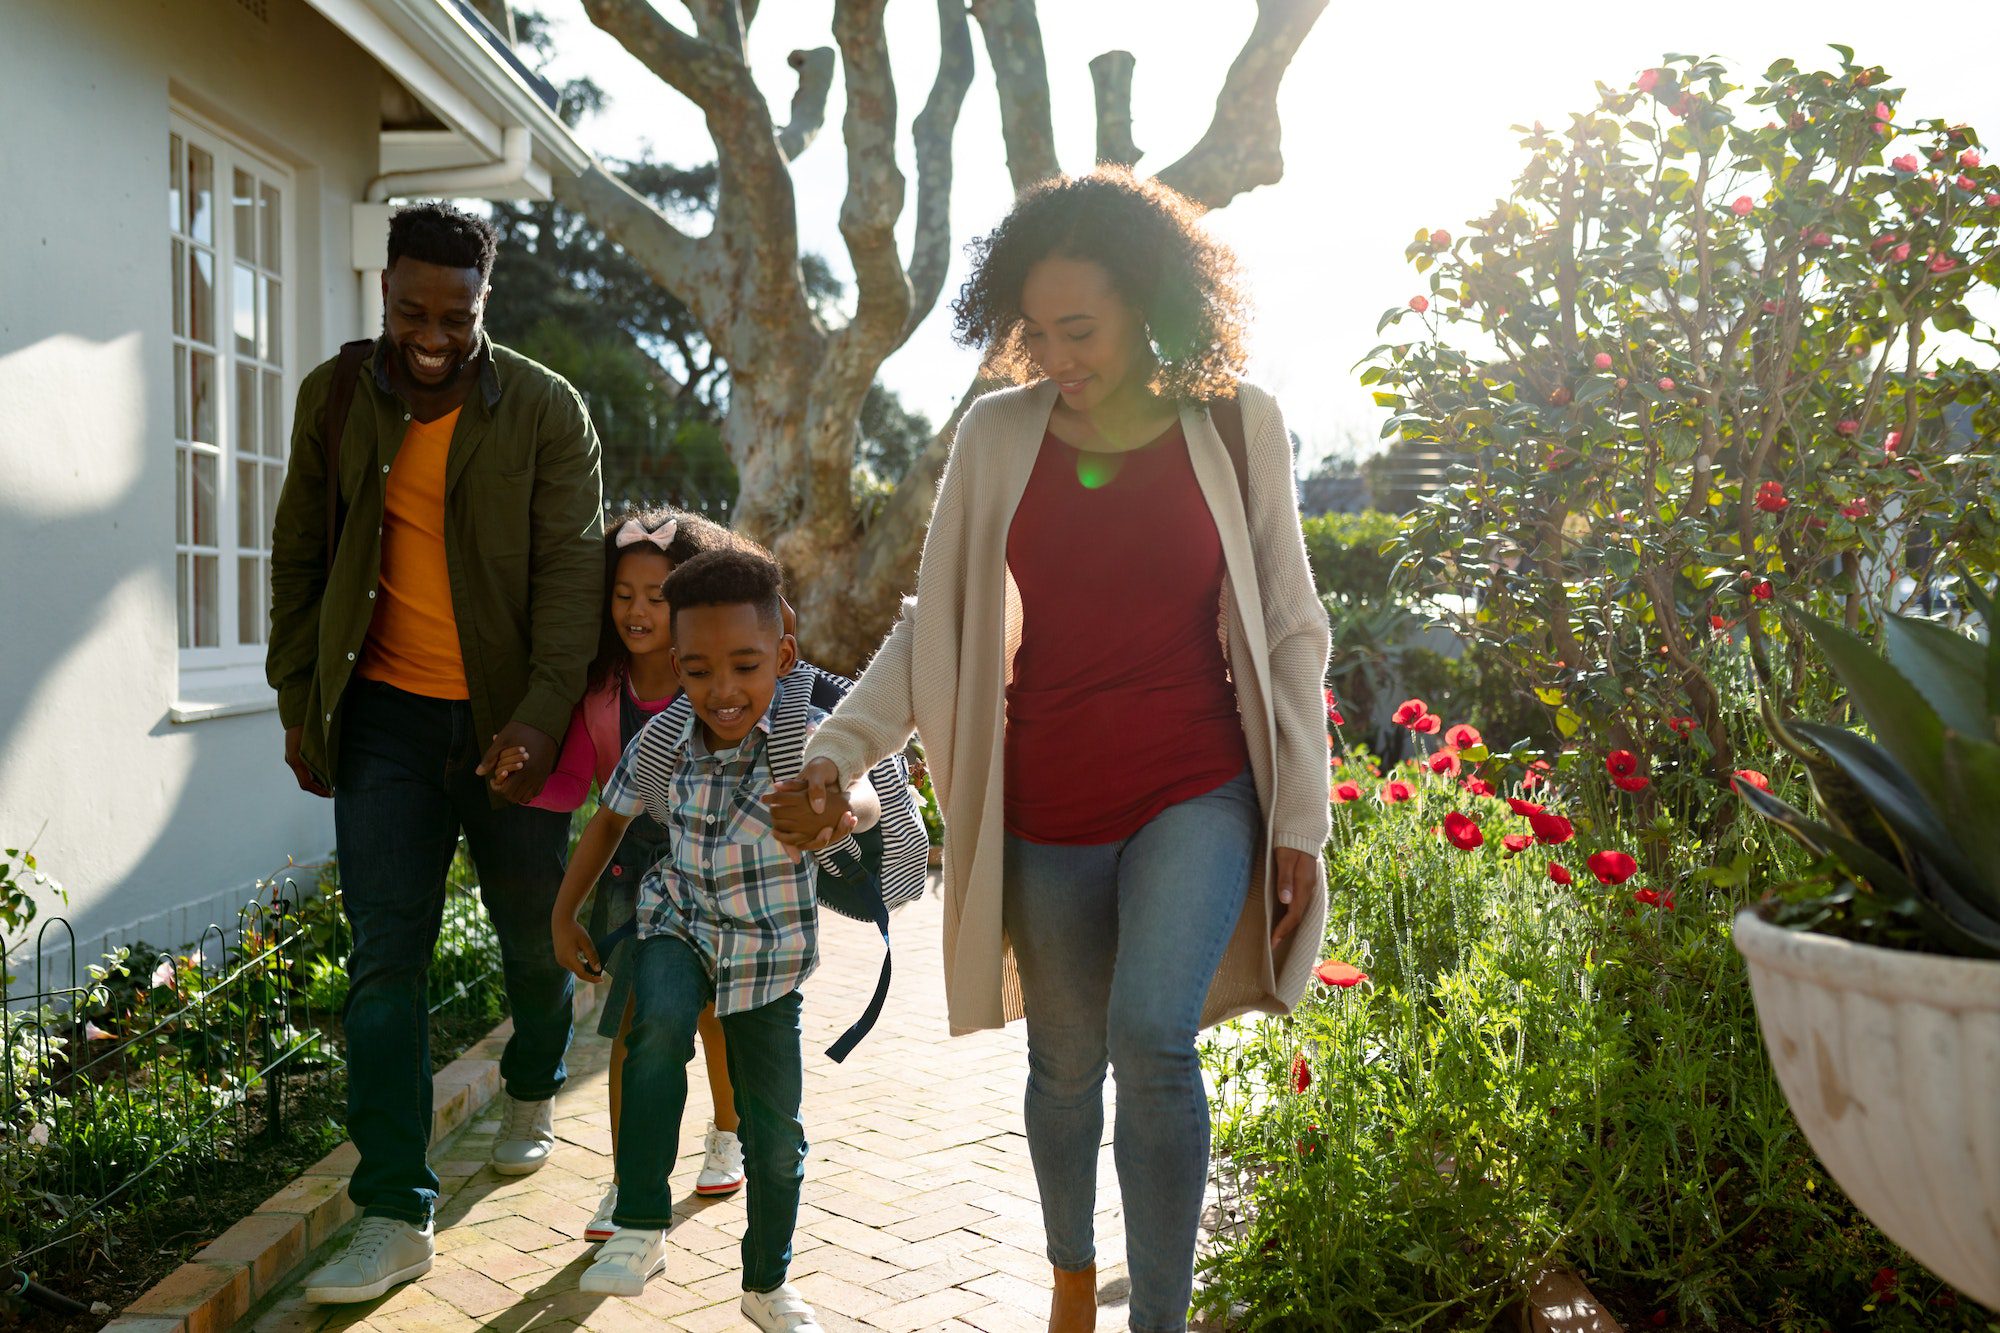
[(579, 764)]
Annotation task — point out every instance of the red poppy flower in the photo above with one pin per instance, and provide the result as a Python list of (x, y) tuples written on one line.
[(1680, 725), (1444, 761), (1332, 972), (1649, 897), (1517, 842), (1718, 626), (1345, 792), (1621, 763), (1477, 786), (1559, 872), (1409, 711), (1885, 1281), (1612, 867), (1302, 1074), (1333, 716), (1631, 784), (1771, 498), (1429, 724), (1521, 807), (1462, 832), (1550, 829), (1463, 736), (1395, 791), (1749, 777)]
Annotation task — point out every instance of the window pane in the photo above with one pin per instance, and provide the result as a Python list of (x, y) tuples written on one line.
[(176, 166), (201, 195), (243, 205), (180, 393), (243, 309), (273, 253), (201, 397), (207, 611), (201, 296), (249, 488), (204, 499), (275, 443), (272, 347), (181, 497), (274, 482), (249, 600), (244, 425), (182, 597), (180, 289)]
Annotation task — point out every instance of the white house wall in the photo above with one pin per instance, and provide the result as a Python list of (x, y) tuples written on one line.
[(155, 826)]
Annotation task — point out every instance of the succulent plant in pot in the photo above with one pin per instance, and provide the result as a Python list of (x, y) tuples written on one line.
[(1889, 1049)]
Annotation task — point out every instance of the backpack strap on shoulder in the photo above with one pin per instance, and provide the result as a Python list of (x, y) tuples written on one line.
[(661, 743)]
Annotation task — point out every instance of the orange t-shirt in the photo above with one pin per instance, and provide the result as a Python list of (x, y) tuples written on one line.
[(413, 639)]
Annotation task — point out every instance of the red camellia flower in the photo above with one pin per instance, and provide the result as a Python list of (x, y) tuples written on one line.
[(1849, 427), (1649, 80), (1559, 872), (1744, 206), (1892, 443), (1761, 590), (1409, 711), (1718, 626), (1463, 736), (1420, 303), (1857, 510), (1444, 760), (1900, 253), (1666, 384), (1612, 867), (1749, 777), (1967, 184), (1882, 111), (1681, 724), (1516, 842), (1551, 829), (1969, 159), (1477, 786), (1942, 263), (1440, 239), (1395, 791), (1521, 807), (1771, 497), (1462, 832), (1621, 763), (1302, 1074), (1907, 164), (1345, 792), (1332, 972)]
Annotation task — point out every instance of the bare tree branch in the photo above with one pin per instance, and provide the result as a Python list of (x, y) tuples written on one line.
[(1021, 72), (930, 256), (1240, 150), (1111, 77), (721, 23), (689, 65), (672, 258), (815, 69)]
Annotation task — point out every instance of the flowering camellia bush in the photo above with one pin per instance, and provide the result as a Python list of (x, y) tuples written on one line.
[(1715, 356)]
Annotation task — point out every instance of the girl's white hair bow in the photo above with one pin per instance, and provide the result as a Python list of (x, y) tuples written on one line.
[(635, 532)]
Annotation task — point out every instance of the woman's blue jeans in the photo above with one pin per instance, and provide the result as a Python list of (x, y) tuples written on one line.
[(1117, 944)]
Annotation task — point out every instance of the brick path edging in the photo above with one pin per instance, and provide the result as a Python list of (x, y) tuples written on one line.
[(265, 1250)]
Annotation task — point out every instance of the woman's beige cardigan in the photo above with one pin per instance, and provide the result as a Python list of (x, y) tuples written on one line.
[(944, 668)]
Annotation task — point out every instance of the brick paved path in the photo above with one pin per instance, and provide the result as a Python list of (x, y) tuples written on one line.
[(919, 1212)]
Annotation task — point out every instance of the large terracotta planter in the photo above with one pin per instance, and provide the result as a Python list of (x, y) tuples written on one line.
[(1891, 1062)]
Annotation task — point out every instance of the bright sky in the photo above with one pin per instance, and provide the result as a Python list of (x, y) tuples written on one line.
[(1395, 117)]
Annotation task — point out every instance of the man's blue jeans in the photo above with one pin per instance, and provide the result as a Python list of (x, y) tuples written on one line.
[(405, 789), (670, 988), (1117, 944)]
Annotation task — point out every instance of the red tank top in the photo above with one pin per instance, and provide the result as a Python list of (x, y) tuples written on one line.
[(1121, 703)]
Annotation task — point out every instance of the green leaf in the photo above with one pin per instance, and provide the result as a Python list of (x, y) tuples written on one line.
[(1902, 721), (1567, 722), (1883, 876), (1972, 803), (1917, 824), (1946, 668)]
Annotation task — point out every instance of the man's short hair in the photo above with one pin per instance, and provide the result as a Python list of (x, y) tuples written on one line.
[(742, 574), (437, 233)]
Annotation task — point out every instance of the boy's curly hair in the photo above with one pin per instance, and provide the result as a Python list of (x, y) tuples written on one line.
[(1149, 239), (741, 574), (693, 534)]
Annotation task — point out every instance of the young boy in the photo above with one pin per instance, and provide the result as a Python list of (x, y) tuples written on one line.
[(729, 914)]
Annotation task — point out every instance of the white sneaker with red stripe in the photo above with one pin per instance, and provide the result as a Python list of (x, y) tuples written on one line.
[(721, 1164), (601, 1227)]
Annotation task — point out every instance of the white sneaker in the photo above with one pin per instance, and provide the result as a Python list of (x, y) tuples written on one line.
[(780, 1311), (527, 1136), (381, 1253), (601, 1227), (626, 1263), (721, 1164)]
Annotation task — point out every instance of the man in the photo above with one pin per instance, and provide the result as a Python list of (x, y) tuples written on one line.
[(457, 616)]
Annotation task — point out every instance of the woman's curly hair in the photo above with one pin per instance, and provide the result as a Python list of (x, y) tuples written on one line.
[(1149, 239)]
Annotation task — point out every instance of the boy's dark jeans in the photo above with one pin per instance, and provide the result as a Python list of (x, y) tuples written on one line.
[(405, 789), (670, 989)]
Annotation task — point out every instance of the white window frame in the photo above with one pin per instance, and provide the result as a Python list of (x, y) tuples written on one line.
[(228, 677)]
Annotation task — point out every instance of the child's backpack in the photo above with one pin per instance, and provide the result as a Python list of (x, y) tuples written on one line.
[(861, 876)]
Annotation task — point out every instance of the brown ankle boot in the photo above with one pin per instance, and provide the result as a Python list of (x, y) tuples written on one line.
[(1074, 1307)]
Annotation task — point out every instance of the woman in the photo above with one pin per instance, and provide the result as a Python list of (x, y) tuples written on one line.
[(1134, 805)]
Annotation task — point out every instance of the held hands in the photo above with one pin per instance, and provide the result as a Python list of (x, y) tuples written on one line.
[(535, 754), (308, 781), (574, 949), (801, 827), (1298, 876)]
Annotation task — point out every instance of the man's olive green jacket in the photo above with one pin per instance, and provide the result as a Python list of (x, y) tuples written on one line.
[(523, 544)]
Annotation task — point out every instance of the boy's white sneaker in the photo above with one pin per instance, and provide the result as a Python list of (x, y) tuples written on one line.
[(382, 1252), (601, 1227), (781, 1311), (527, 1136), (627, 1262), (721, 1164)]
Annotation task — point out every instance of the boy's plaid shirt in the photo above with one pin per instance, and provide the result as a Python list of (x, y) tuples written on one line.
[(725, 885)]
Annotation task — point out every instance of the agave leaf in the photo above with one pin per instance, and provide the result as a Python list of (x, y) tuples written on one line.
[(1947, 669), (1972, 802), (1904, 723), (1885, 877), (1951, 920), (1846, 807)]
